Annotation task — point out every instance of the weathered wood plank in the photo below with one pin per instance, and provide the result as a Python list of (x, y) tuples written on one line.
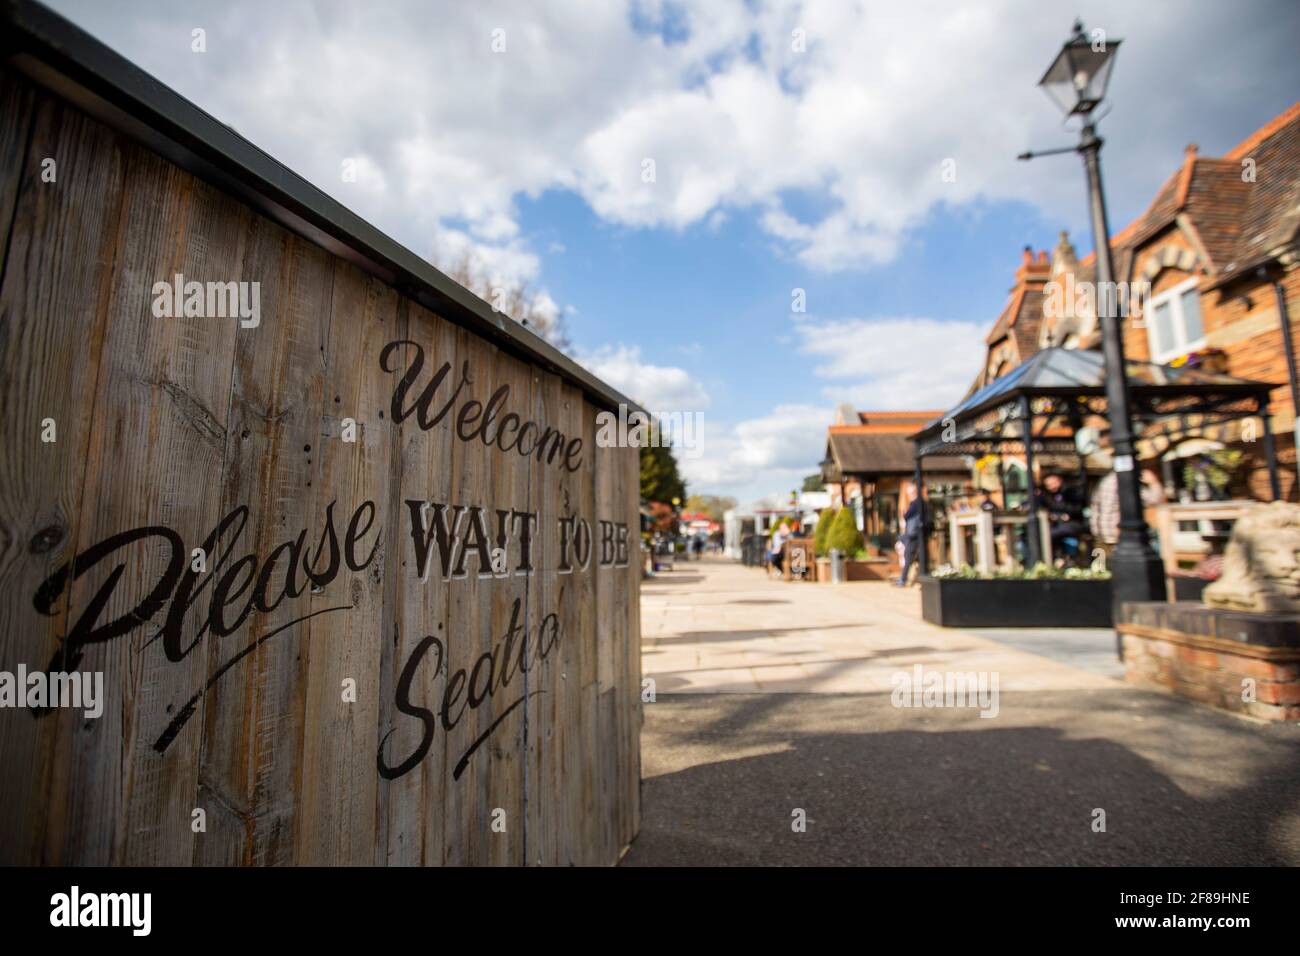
[(467, 831), (609, 599), (63, 779), (546, 680), (20, 824), (413, 801), (628, 705), (508, 593), (580, 605), (162, 402), (253, 716), (17, 104), (337, 825)]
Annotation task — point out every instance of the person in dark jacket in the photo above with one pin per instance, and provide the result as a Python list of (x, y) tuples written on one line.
[(910, 506), (1064, 509)]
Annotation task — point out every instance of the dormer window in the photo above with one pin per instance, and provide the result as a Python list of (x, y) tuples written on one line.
[(1174, 325)]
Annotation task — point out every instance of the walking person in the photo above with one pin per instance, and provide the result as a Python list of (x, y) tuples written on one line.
[(910, 508), (1104, 513)]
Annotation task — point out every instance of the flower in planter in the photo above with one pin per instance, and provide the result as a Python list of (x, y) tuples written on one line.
[(1215, 470), (948, 571), (1039, 572), (1211, 360)]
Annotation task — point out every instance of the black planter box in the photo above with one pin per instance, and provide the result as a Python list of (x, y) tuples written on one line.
[(965, 602), (1188, 589)]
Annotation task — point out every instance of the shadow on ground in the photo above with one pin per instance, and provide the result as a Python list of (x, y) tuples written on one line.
[(880, 785)]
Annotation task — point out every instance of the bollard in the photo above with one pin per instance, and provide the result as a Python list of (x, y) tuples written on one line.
[(837, 565)]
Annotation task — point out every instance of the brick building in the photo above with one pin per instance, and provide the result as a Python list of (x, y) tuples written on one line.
[(1017, 332), (1206, 276)]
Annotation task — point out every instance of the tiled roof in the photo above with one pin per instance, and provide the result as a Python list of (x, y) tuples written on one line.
[(860, 453), (1238, 222), (1216, 202), (1024, 310), (904, 422), (1286, 118), (880, 444), (1271, 216)]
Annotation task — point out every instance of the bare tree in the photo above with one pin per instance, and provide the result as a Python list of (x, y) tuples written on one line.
[(515, 300)]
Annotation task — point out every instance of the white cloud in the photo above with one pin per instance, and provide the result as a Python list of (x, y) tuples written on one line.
[(659, 388), (453, 133), (507, 264), (837, 242), (759, 456), (894, 363), (884, 363)]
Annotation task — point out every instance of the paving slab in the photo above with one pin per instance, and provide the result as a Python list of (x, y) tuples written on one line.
[(715, 626), (775, 702)]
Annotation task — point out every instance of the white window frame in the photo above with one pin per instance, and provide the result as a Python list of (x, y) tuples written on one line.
[(1174, 296)]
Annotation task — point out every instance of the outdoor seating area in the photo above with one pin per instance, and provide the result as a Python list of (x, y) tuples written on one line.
[(1055, 405)]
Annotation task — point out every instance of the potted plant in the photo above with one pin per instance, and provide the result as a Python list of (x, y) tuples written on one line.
[(821, 553), (843, 535), (1208, 475)]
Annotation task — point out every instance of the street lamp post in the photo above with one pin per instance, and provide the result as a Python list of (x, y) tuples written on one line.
[(1077, 81)]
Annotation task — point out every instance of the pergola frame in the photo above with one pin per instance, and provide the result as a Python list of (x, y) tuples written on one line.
[(1169, 404)]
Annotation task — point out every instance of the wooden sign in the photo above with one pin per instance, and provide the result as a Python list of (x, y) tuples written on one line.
[(356, 582)]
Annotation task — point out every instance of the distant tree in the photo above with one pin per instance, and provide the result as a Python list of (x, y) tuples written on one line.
[(814, 483), (663, 517), (715, 506), (660, 479)]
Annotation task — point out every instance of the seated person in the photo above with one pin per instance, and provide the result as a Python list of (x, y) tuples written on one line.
[(1064, 511)]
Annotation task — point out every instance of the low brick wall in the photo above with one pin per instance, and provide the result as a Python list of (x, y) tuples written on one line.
[(859, 569), (1213, 656), (871, 569)]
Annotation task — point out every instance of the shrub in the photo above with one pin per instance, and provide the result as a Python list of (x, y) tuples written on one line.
[(822, 530), (844, 533)]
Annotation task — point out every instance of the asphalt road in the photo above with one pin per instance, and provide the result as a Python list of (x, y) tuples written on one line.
[(1180, 784)]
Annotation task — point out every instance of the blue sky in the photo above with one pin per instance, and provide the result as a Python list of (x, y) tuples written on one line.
[(727, 318), (797, 145)]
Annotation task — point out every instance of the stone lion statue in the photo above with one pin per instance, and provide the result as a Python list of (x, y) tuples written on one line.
[(1261, 566)]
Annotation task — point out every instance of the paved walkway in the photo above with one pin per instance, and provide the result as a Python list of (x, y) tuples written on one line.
[(775, 697), (716, 626)]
